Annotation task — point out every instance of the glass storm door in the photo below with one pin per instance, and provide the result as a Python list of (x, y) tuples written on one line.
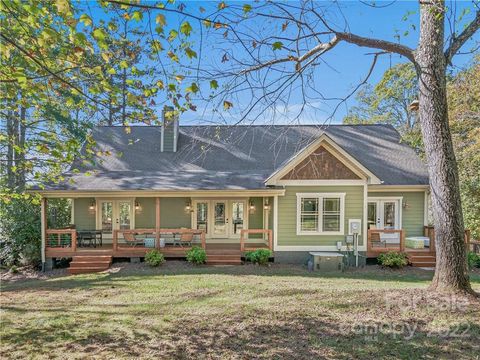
[(383, 214), (201, 216), (114, 215), (220, 219), (238, 217), (123, 214), (106, 218)]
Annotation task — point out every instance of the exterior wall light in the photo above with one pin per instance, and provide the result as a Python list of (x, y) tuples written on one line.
[(266, 205), (188, 206), (92, 205), (137, 205)]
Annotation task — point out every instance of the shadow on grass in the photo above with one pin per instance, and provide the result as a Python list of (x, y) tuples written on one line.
[(267, 335), (120, 275)]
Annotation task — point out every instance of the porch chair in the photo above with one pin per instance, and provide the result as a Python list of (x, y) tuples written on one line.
[(131, 240), (376, 241), (186, 239)]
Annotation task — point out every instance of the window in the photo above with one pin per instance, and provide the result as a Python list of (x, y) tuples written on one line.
[(320, 214)]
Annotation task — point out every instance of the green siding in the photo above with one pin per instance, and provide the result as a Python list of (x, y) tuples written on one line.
[(412, 217), (270, 213), (255, 219), (145, 216), (84, 217), (287, 215), (173, 214)]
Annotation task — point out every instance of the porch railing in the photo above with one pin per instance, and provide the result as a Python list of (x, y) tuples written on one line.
[(156, 235), (267, 238), (61, 238), (384, 240), (429, 231)]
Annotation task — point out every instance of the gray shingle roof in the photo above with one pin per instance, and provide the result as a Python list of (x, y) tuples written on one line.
[(240, 157)]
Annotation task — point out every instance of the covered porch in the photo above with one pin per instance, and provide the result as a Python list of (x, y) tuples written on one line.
[(129, 226)]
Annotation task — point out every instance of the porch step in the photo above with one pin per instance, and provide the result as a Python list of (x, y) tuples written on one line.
[(419, 259), (224, 259), (89, 264)]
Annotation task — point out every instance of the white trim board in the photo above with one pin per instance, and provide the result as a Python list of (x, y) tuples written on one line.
[(152, 193), (316, 248), (332, 147), (320, 197)]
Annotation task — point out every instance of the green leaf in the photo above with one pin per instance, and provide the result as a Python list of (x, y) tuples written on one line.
[(86, 20), (172, 35), (213, 84), (156, 46), (186, 28), (160, 84), (123, 64), (99, 34), (190, 53), (192, 88), (137, 15), (111, 71), (277, 45), (247, 8), (227, 105)]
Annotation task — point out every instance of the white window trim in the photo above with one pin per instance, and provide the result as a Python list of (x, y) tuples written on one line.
[(320, 197)]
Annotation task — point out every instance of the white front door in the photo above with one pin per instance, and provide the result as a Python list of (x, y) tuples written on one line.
[(384, 214), (114, 215), (220, 218)]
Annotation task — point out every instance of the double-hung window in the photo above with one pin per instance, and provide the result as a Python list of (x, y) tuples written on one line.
[(320, 213)]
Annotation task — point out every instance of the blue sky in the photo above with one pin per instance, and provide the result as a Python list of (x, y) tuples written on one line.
[(345, 66)]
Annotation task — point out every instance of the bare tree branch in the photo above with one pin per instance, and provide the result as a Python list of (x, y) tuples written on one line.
[(377, 44), (457, 42)]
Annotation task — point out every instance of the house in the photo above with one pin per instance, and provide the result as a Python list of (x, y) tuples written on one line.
[(291, 188)]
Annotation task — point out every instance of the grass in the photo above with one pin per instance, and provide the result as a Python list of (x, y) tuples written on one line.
[(180, 311)]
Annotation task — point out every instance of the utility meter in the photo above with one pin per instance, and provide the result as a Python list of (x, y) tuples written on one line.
[(354, 226)]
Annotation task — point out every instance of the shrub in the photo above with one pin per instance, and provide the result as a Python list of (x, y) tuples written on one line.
[(473, 260), (154, 258), (259, 256), (393, 259), (196, 255), (20, 236)]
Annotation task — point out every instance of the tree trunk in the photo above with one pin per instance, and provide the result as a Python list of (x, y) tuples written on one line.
[(451, 270), (21, 154), (10, 136)]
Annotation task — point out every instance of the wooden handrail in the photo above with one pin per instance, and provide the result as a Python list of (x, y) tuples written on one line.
[(429, 231), (401, 246), (256, 231), (59, 233), (158, 233)]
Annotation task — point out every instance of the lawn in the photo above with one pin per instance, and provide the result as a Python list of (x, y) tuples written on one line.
[(179, 311)]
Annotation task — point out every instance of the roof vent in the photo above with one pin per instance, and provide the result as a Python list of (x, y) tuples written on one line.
[(169, 130)]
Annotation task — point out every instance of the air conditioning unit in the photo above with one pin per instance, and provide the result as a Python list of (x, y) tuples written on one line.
[(327, 261)]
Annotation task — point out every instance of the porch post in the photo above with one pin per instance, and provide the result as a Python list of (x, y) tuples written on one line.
[(157, 223), (43, 222)]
